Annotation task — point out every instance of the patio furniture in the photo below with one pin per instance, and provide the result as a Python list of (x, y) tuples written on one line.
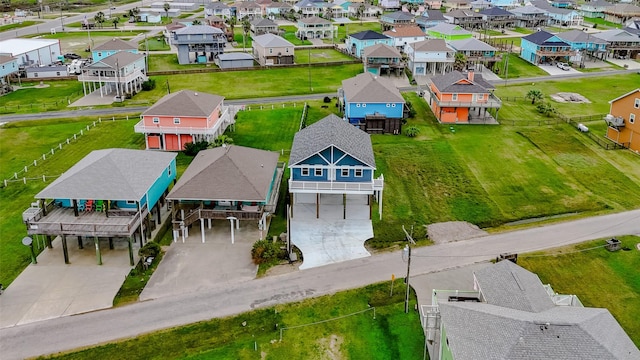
[(100, 205), (81, 205), (89, 205)]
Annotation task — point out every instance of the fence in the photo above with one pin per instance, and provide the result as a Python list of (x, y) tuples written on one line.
[(41, 106), (303, 118)]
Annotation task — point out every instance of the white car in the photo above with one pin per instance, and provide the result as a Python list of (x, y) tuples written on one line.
[(563, 66)]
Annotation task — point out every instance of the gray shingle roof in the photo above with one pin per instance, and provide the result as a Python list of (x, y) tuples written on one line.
[(489, 332), (263, 22), (431, 45), (120, 59), (198, 30), (508, 285), (368, 35), (115, 44), (227, 173), (495, 11), (270, 40), (542, 38), (448, 29), (399, 16), (579, 36), (471, 44), (329, 131), (382, 50), (529, 9), (110, 174), (185, 103), (451, 83), (367, 87), (314, 20), (617, 35)]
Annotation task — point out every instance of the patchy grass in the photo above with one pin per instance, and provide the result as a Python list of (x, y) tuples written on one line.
[(290, 35), (602, 22), (518, 68), (164, 62), (355, 27), (522, 30), (78, 41), (154, 44), (31, 99), (18, 25), (135, 282), (319, 56), (600, 278), (391, 335)]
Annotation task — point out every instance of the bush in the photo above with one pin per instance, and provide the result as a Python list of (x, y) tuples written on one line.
[(327, 99), (149, 85), (412, 131), (191, 149), (265, 251), (150, 249)]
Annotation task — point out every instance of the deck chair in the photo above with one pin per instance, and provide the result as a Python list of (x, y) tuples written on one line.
[(99, 205), (89, 205), (81, 204)]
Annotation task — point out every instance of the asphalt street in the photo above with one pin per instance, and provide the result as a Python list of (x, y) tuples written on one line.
[(98, 327)]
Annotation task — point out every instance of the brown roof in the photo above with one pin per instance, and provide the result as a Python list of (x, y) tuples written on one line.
[(431, 45), (115, 44), (232, 173), (185, 103), (367, 87), (405, 31), (5, 59), (382, 50)]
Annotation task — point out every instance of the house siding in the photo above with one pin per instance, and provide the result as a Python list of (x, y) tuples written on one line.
[(630, 133), (355, 112)]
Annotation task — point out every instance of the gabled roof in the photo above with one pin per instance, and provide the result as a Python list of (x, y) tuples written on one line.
[(405, 31), (490, 332), (280, 5), (115, 44), (461, 13), (368, 35), (508, 285), (458, 83), (617, 35), (119, 60), (271, 40), (431, 45), (314, 20), (262, 22), (185, 103), (529, 9), (623, 9), (368, 88), (541, 37), (246, 5), (495, 11), (110, 174), (381, 51), (227, 173), (471, 44), (579, 36), (198, 30), (448, 29), (624, 96), (174, 26), (432, 15), (400, 16), (332, 131)]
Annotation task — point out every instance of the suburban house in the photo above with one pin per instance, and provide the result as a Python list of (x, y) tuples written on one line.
[(247, 10), (624, 120), (584, 45), (448, 32), (430, 18), (497, 18), (530, 16), (8, 66), (430, 57), (433, 4), (169, 31), (394, 19), (261, 26), (543, 47), (112, 194), (478, 5), (372, 103), (269, 49), (356, 43), (367, 10), (381, 58), (466, 19), (50, 71), (621, 13), (218, 22), (277, 10), (308, 8), (234, 60), (462, 98), (183, 117), (508, 313), (404, 35), (621, 44), (476, 52), (121, 73), (314, 27), (111, 47), (506, 4), (561, 16), (226, 182), (199, 39), (458, 4), (331, 157), (594, 8), (217, 8)]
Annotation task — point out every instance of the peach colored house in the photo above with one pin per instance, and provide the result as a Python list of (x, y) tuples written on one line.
[(462, 98), (624, 124), (184, 117)]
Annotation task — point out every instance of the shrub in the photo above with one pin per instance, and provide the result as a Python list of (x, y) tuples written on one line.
[(265, 251), (327, 99), (412, 131), (150, 249), (149, 85), (193, 148), (412, 111)]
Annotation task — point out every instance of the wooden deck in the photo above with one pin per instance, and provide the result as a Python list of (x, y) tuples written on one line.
[(62, 221)]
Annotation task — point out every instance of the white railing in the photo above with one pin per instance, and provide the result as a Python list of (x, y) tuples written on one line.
[(113, 79), (224, 120), (337, 186)]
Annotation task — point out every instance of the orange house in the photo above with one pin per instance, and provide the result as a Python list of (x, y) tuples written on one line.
[(624, 122), (462, 98), (184, 117)]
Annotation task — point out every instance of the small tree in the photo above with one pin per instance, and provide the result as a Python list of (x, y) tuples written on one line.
[(115, 20), (193, 148), (412, 131), (534, 95), (546, 109), (460, 62), (265, 251), (99, 18), (196, 22), (246, 27), (221, 140), (166, 6), (150, 249)]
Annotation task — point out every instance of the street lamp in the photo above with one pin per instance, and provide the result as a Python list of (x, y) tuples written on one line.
[(406, 256), (27, 241)]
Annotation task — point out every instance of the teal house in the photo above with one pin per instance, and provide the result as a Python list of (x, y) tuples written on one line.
[(111, 47), (543, 47), (356, 43)]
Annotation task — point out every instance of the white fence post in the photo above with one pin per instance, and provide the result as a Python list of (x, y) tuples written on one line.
[(44, 178), (44, 157), (24, 180), (35, 162)]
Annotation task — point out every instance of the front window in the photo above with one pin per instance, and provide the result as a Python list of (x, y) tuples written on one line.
[(454, 97), (304, 171), (176, 120), (345, 172), (632, 118), (156, 120), (636, 104), (318, 172), (358, 173)]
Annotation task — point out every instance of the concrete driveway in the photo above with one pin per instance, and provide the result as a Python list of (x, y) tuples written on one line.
[(554, 70), (331, 239), (192, 266), (631, 64)]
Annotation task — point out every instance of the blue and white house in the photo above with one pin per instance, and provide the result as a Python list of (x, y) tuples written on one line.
[(372, 103), (430, 18), (111, 47), (110, 193), (584, 44), (8, 66), (331, 157), (543, 47), (356, 43)]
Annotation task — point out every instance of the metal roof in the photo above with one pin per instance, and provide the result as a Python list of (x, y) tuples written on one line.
[(471, 44), (198, 30)]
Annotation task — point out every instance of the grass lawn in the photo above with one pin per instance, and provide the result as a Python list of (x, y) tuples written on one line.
[(509, 41), (522, 30), (600, 22), (238, 37), (78, 41), (154, 44), (356, 27), (23, 142), (160, 62), (518, 68), (18, 25), (290, 35), (391, 335), (319, 56), (33, 100), (600, 278)]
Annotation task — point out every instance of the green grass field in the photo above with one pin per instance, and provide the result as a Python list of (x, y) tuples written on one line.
[(319, 56), (154, 44), (391, 335), (165, 62), (78, 41), (600, 278), (18, 25), (518, 68), (356, 27), (34, 100), (290, 35)]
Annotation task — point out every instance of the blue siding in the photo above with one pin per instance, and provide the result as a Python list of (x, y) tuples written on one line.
[(367, 176), (315, 160), (296, 174), (339, 160), (353, 111), (350, 161), (161, 184)]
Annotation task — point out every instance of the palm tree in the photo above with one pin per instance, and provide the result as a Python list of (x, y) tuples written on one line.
[(232, 22), (412, 7), (460, 62), (196, 22), (534, 95), (115, 20), (166, 8), (246, 27), (99, 18)]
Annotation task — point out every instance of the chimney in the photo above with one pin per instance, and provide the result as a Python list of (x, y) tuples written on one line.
[(470, 75)]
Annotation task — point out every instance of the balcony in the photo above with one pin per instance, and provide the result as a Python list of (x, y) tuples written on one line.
[(112, 78), (544, 52), (492, 102), (334, 187), (225, 119)]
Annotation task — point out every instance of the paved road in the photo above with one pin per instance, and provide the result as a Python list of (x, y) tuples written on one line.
[(88, 329)]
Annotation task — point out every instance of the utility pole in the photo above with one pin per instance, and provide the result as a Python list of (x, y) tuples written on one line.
[(61, 21), (406, 253), (310, 88)]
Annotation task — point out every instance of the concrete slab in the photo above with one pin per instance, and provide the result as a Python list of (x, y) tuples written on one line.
[(94, 99), (52, 289), (554, 70), (630, 64), (330, 238), (193, 266)]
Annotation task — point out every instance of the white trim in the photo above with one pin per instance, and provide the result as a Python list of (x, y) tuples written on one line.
[(304, 171), (156, 120), (176, 120), (355, 172), (632, 118), (342, 172), (316, 171)]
